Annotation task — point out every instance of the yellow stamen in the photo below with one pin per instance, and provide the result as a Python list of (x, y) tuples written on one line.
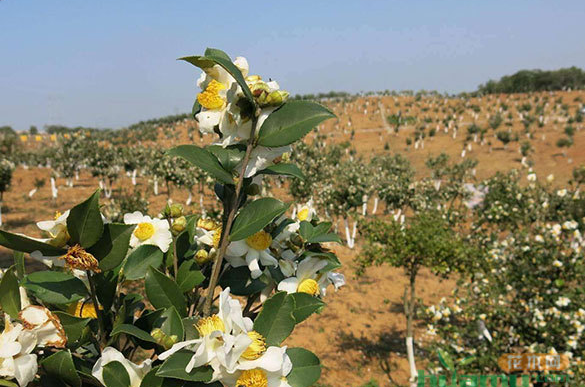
[(210, 98), (257, 348), (57, 215), (210, 324), (217, 237), (252, 378), (309, 286), (144, 231), (259, 241), (77, 258), (303, 214)]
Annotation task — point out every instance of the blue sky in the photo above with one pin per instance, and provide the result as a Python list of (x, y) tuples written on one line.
[(110, 63)]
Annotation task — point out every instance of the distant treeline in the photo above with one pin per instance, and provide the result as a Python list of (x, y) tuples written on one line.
[(525, 81)]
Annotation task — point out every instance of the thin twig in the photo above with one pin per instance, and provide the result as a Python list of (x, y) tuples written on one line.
[(228, 224)]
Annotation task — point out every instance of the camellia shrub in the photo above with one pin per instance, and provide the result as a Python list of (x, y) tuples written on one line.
[(133, 303)]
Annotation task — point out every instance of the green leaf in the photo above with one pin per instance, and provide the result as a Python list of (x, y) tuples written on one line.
[(7, 383), (291, 122), (318, 233), (228, 157), (446, 360), (203, 159), (115, 375), (191, 332), (131, 330), (283, 169), (19, 263), (60, 365), (255, 216), (140, 260), (152, 380), (466, 361), (21, 243), (306, 367), (305, 305), (239, 281), (174, 367), (214, 56), (112, 247), (172, 324), (276, 321), (84, 222), (164, 292), (73, 326), (189, 276), (106, 285), (55, 287), (10, 293)]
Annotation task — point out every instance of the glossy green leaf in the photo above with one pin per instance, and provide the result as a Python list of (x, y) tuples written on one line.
[(306, 367), (317, 234), (446, 360), (84, 223), (60, 365), (164, 292), (229, 157), (239, 281), (9, 293), (174, 367), (152, 380), (21, 243), (115, 375), (112, 247), (140, 260), (55, 287), (283, 169), (276, 321), (19, 263), (255, 216), (203, 159), (214, 56), (7, 383), (291, 122), (305, 305), (189, 276), (132, 330), (172, 324)]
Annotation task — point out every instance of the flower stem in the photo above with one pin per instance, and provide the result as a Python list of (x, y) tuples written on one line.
[(228, 224), (100, 317)]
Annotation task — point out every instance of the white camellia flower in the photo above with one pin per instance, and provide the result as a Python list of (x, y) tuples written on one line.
[(273, 376), (305, 212), (149, 231), (255, 250), (44, 325), (57, 229), (228, 343), (135, 372), (16, 360), (306, 277)]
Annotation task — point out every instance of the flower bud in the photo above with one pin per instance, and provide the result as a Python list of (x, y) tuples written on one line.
[(179, 225), (163, 339), (176, 210), (202, 257), (276, 98)]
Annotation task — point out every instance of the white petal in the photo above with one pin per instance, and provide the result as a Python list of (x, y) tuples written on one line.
[(134, 218), (271, 361), (25, 369), (289, 285), (267, 259), (237, 248), (177, 347), (308, 267)]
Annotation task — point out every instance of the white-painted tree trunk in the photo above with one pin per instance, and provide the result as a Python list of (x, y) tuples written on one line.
[(202, 206), (347, 234), (77, 175), (189, 199), (134, 177), (54, 191), (101, 184), (375, 209), (411, 362), (32, 192), (353, 234), (155, 186), (365, 205)]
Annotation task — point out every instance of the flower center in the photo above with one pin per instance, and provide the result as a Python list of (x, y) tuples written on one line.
[(144, 231), (83, 309), (257, 348), (252, 378), (208, 325), (309, 286), (303, 214), (57, 215), (259, 241), (210, 98), (217, 237), (207, 224)]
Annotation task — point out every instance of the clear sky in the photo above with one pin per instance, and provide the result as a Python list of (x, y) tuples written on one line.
[(109, 63)]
